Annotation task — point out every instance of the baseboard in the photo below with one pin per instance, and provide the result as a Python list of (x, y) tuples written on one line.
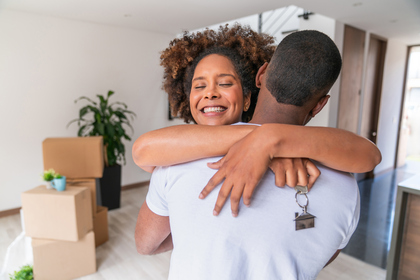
[(384, 171), (135, 185), (9, 212), (15, 211)]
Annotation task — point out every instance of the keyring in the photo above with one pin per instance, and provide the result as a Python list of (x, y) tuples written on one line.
[(297, 201)]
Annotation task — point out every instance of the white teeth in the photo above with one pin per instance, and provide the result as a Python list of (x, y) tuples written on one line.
[(213, 109)]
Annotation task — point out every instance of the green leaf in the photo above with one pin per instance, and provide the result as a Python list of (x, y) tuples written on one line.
[(80, 131), (110, 130), (83, 112), (119, 103), (100, 128), (98, 118), (86, 98), (25, 273), (129, 112), (72, 121), (110, 93), (103, 104), (101, 98), (120, 115)]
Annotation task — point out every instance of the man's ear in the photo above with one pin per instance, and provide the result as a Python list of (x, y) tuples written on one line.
[(260, 75), (319, 105)]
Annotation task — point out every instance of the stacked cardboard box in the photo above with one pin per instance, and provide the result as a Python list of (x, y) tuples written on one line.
[(81, 160), (60, 224), (66, 226)]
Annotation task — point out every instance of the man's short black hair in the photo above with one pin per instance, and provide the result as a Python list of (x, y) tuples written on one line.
[(304, 65)]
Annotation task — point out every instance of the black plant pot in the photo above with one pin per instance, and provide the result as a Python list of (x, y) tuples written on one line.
[(110, 187)]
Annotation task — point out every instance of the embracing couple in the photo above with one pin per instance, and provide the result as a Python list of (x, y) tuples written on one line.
[(234, 76)]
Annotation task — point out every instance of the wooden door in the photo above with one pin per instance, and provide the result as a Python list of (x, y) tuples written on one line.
[(372, 92), (351, 78), (373, 88)]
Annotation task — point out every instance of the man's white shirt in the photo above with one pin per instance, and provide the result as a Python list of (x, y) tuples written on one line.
[(261, 243)]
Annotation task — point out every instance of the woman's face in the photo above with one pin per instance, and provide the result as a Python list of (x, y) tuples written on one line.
[(216, 96)]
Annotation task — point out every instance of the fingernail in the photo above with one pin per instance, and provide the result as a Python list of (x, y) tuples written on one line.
[(215, 213), (235, 215), (201, 196)]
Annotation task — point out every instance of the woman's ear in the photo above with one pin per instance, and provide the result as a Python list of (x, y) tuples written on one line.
[(260, 75), (247, 101)]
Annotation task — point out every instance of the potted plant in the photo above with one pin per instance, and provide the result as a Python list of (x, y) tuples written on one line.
[(59, 182), (48, 176), (25, 273), (110, 121)]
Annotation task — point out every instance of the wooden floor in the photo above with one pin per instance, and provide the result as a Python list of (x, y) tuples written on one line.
[(118, 259)]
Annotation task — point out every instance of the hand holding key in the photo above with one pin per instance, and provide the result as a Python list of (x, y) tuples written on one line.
[(243, 167)]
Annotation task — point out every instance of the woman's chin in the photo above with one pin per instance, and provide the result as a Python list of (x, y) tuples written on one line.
[(216, 118)]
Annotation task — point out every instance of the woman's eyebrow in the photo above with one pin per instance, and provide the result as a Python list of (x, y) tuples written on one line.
[(227, 75), (198, 78), (220, 75)]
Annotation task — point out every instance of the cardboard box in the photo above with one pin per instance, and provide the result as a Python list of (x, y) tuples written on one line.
[(75, 157), (51, 214), (55, 259), (100, 226), (88, 183)]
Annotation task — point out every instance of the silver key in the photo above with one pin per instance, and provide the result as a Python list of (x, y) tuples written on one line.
[(305, 219), (301, 189)]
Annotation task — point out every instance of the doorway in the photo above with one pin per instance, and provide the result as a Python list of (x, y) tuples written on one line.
[(408, 152), (351, 79), (372, 91), (357, 112)]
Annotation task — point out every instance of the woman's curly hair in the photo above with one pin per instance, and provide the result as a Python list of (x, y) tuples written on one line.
[(250, 51)]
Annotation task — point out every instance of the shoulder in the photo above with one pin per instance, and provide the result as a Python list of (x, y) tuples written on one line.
[(337, 187), (330, 175)]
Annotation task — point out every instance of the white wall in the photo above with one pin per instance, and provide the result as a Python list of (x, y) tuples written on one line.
[(392, 88), (45, 64)]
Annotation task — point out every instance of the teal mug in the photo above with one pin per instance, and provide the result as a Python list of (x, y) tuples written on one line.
[(59, 184)]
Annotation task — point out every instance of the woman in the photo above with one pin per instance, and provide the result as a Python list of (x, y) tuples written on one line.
[(213, 87)]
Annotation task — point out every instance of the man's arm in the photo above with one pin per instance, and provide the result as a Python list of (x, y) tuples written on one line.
[(333, 257), (153, 233)]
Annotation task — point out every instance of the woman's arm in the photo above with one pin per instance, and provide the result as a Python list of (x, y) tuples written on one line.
[(335, 148), (183, 143), (246, 162)]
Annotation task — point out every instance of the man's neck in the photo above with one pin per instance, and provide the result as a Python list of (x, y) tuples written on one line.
[(269, 111)]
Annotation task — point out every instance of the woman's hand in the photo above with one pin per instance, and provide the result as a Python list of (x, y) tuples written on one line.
[(243, 167), (294, 172)]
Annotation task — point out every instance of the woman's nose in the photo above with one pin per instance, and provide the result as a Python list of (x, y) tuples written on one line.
[(212, 93)]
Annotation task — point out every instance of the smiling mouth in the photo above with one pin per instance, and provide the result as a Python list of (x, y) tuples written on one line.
[(217, 109)]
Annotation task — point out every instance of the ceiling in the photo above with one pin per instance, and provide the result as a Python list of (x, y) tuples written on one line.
[(393, 19)]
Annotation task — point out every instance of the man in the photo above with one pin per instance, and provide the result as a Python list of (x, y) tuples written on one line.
[(261, 243)]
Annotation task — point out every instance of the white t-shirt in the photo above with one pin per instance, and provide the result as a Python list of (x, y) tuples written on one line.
[(261, 243)]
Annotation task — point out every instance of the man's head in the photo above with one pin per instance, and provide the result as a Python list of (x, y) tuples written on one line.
[(299, 76), (305, 65)]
